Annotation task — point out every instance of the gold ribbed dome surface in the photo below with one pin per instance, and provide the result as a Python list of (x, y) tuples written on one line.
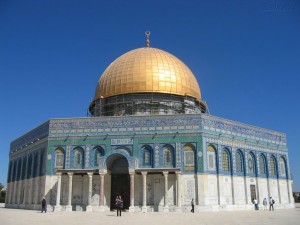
[(147, 70)]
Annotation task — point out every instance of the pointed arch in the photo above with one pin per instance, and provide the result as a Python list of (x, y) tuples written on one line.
[(78, 158), (262, 164), (98, 153), (59, 162), (212, 157), (282, 167), (239, 161), (147, 156), (189, 156), (168, 156), (226, 160), (251, 163), (272, 167)]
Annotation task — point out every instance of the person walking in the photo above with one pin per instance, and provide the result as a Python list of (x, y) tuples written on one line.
[(44, 205), (265, 203), (271, 202), (120, 205), (193, 205)]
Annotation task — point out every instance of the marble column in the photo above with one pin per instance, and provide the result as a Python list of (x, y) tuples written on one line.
[(166, 207), (178, 191), (89, 207), (131, 208), (69, 206), (144, 208), (58, 206), (101, 203)]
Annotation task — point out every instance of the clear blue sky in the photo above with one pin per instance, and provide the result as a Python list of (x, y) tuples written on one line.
[(245, 54)]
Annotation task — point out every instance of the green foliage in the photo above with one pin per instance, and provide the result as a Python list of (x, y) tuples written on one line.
[(2, 193), (2, 196)]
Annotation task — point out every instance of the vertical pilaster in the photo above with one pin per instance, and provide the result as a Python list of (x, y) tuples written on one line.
[(166, 207), (144, 208), (15, 183), (279, 194), (11, 189), (25, 181)]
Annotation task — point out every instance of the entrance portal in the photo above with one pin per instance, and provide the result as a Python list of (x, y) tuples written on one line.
[(120, 180), (120, 185)]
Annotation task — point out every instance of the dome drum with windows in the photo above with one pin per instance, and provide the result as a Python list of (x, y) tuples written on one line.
[(147, 81)]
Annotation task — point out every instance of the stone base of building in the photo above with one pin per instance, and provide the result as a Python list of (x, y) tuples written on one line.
[(184, 208)]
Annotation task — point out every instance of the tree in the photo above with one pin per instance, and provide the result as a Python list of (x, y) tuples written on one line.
[(2, 193)]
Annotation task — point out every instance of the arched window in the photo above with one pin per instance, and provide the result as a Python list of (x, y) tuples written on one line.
[(251, 163), (147, 157), (239, 162), (211, 155), (78, 158), (59, 158), (282, 167), (98, 153), (226, 160), (189, 155), (272, 167), (168, 156), (262, 165)]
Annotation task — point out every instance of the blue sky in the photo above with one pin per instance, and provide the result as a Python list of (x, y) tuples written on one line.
[(245, 55)]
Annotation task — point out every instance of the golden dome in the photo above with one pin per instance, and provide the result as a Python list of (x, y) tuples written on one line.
[(147, 70)]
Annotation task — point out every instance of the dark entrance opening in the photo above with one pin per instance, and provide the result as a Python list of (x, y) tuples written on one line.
[(120, 180), (120, 185), (252, 192)]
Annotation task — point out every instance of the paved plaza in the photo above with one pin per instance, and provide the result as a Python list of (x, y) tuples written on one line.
[(32, 217)]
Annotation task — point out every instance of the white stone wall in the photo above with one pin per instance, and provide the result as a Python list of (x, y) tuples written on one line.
[(239, 190), (262, 189), (283, 186), (273, 185)]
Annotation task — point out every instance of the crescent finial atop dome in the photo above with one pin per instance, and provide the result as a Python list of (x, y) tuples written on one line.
[(148, 38)]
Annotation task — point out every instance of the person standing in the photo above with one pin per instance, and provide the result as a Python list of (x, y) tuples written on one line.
[(193, 205), (120, 205), (44, 205), (271, 202), (117, 204), (265, 203), (255, 203)]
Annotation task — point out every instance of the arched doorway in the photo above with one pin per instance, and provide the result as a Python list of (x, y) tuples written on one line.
[(120, 179)]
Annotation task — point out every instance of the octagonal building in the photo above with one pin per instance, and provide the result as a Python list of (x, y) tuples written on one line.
[(149, 138)]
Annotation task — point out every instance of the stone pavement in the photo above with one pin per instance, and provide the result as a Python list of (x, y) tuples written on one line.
[(31, 217)]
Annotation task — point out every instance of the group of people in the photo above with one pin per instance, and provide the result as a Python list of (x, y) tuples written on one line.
[(265, 203), (119, 204), (254, 201)]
